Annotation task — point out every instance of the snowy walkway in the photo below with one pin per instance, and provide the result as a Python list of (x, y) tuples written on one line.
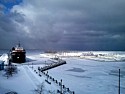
[(31, 76)]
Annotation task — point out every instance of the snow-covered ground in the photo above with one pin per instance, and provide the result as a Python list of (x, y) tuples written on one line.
[(79, 75)]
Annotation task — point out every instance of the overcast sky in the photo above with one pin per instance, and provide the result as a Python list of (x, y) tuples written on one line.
[(63, 24)]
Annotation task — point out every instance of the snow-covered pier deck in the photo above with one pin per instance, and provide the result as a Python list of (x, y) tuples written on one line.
[(53, 65)]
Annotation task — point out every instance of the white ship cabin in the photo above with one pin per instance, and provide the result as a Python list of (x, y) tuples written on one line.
[(18, 48)]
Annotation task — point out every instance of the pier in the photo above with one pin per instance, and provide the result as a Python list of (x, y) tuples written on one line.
[(62, 89), (52, 65)]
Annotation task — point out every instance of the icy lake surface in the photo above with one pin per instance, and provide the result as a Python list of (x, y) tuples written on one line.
[(91, 77), (80, 75)]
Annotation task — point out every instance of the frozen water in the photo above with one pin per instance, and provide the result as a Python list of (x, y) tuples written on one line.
[(96, 79), (76, 70)]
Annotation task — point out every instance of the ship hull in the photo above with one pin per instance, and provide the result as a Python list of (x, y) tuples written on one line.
[(18, 57)]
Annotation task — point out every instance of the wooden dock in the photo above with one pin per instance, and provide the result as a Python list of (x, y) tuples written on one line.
[(53, 65)]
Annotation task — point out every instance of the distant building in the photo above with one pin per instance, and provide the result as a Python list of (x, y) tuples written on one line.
[(88, 54)]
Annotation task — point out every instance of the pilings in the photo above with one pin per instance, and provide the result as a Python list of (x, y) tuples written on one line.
[(49, 79)]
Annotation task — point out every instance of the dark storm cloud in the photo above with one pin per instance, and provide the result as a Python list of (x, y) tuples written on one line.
[(65, 24), (8, 31)]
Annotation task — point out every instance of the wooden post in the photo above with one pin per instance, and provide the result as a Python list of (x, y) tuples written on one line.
[(47, 75), (119, 83), (32, 65), (39, 70), (61, 88)]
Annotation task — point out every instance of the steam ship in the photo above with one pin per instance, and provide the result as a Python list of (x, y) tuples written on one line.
[(18, 54)]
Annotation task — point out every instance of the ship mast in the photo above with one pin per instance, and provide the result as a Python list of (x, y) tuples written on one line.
[(19, 44)]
